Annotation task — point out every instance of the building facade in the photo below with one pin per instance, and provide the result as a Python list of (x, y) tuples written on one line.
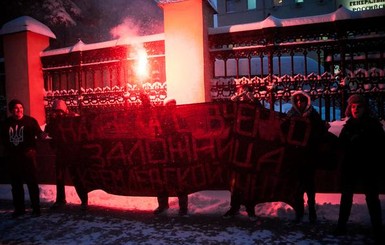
[(232, 12)]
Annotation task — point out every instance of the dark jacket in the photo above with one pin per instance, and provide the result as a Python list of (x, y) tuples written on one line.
[(317, 126), (20, 135), (363, 141)]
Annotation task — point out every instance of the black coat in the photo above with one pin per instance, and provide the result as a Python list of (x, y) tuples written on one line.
[(362, 141)]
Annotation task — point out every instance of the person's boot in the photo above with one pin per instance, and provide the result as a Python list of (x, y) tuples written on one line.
[(231, 213), (312, 214), (183, 205), (160, 209), (299, 212), (251, 212), (58, 205), (162, 203), (340, 229)]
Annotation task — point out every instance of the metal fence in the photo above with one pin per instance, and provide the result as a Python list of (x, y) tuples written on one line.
[(328, 60)]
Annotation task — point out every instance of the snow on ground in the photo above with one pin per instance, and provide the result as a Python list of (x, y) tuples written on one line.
[(113, 219)]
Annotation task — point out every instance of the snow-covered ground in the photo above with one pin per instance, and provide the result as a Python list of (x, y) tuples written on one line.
[(113, 219)]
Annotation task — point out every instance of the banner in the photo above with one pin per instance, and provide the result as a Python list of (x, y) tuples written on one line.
[(189, 148)]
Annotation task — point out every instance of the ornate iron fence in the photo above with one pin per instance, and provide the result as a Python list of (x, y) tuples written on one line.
[(329, 60)]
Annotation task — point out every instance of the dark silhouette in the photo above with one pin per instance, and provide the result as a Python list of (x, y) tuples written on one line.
[(363, 141), (244, 95), (304, 155), (169, 130), (62, 159), (19, 133)]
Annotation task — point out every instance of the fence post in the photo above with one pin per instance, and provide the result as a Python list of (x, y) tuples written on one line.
[(24, 38)]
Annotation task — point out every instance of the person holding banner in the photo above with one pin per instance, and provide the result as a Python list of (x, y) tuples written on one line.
[(244, 94), (19, 133), (363, 141), (169, 130), (60, 112), (302, 110)]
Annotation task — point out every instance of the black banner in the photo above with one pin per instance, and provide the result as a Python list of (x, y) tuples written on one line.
[(208, 146)]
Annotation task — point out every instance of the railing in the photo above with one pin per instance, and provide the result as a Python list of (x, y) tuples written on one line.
[(101, 77), (329, 60)]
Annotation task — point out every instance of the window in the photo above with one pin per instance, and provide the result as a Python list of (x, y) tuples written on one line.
[(251, 4), (230, 6)]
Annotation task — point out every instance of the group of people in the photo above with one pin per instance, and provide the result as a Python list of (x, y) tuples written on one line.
[(361, 142), (362, 139), (19, 135)]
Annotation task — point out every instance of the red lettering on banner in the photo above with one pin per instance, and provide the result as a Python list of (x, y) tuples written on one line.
[(170, 180), (188, 179), (225, 148), (215, 173), (243, 151), (87, 177), (270, 130), (274, 157), (94, 153), (216, 121), (299, 132), (184, 177), (179, 148), (116, 155), (113, 179), (204, 147), (146, 180), (246, 124), (68, 133), (156, 150), (154, 127), (84, 132), (199, 177), (227, 110), (191, 148), (136, 154), (192, 177)]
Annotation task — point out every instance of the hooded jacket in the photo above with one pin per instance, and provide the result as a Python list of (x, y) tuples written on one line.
[(318, 126)]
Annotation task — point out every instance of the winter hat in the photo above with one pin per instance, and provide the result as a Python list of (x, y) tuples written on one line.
[(60, 105), (354, 99), (13, 103)]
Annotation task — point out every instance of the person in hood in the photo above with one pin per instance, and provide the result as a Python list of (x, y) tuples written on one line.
[(363, 140), (303, 110), (59, 114), (19, 133)]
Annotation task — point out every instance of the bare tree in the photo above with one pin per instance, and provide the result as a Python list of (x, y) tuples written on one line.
[(90, 21)]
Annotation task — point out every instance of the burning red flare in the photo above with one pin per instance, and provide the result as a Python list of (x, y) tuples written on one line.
[(141, 66)]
